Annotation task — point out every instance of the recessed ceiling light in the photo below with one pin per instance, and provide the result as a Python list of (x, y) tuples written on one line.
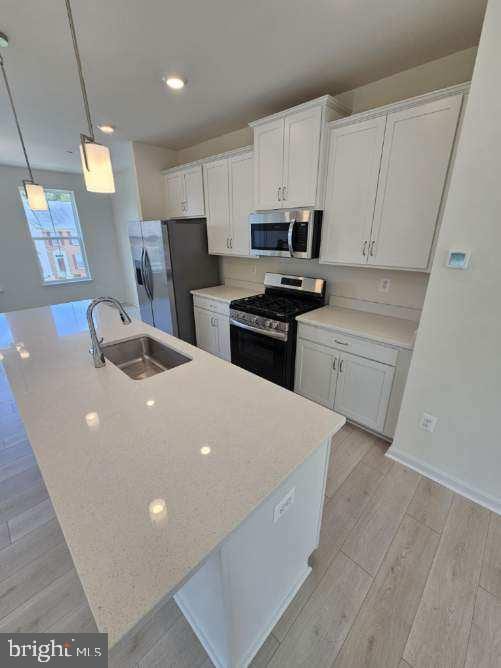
[(107, 129), (176, 83)]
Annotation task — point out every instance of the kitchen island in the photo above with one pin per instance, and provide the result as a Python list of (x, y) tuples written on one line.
[(204, 481)]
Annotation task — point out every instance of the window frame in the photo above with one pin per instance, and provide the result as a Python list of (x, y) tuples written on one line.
[(60, 237)]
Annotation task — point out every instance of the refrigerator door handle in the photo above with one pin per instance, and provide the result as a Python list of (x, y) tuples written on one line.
[(148, 273), (144, 274)]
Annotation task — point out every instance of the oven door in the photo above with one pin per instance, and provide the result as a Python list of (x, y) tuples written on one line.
[(265, 356)]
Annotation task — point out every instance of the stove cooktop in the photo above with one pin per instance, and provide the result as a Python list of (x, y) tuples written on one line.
[(275, 306)]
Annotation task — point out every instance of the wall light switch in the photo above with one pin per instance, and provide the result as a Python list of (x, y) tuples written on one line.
[(428, 422), (283, 506), (384, 285)]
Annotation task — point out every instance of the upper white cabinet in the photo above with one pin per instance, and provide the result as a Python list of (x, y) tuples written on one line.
[(228, 202), (416, 154), (387, 172), (354, 159), (289, 155), (184, 192)]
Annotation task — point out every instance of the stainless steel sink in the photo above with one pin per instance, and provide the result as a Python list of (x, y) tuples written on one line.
[(142, 357)]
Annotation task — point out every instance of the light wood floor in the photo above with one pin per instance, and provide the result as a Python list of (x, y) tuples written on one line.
[(407, 574)]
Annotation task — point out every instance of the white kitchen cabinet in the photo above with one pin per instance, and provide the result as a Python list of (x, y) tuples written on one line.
[(387, 172), (217, 205), (174, 186), (184, 192), (316, 372), (228, 203), (289, 152), (352, 178), (363, 390), (241, 201), (213, 332), (416, 155), (358, 386)]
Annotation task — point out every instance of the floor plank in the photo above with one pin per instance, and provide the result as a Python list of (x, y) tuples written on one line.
[(17, 484), (17, 466), (344, 457), (42, 611), (369, 540), (265, 654), (378, 637), (8, 455), (79, 620), (4, 535), (27, 581), (139, 642), (484, 649), (30, 547), (490, 578), (440, 632), (319, 632), (340, 516), (31, 519), (376, 457), (179, 647), (430, 504), (24, 500)]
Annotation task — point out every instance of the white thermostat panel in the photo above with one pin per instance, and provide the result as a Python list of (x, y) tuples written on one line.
[(458, 259)]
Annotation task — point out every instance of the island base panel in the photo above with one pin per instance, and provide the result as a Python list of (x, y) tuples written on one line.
[(235, 599)]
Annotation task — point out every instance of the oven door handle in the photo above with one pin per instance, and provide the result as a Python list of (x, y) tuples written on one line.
[(289, 237), (281, 336)]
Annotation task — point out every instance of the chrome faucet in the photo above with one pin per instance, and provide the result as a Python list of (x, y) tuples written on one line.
[(97, 353)]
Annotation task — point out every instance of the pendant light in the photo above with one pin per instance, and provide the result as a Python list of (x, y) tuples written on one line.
[(34, 192), (96, 160)]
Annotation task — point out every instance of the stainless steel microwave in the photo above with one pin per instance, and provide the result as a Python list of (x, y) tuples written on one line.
[(286, 233)]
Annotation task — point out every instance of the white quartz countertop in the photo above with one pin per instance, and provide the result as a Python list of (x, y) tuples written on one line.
[(381, 328), (225, 293), (208, 439)]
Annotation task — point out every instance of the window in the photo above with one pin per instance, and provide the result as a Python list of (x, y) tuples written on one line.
[(58, 238)]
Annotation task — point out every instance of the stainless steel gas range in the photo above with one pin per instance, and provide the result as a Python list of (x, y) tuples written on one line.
[(263, 327)]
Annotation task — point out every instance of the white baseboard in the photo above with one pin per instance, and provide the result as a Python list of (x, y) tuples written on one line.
[(456, 485)]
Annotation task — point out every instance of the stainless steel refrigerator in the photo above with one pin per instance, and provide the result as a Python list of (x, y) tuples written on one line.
[(171, 258)]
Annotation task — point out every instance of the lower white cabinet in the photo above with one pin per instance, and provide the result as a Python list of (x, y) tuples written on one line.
[(213, 332), (354, 386), (363, 390)]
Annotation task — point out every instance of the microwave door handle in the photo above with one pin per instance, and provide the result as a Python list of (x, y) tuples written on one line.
[(289, 237)]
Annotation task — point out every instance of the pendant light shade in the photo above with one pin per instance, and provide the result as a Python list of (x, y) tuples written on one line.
[(96, 166), (96, 159), (34, 193), (36, 196)]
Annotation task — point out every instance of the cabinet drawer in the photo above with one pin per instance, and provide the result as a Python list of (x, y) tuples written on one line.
[(349, 344), (213, 305)]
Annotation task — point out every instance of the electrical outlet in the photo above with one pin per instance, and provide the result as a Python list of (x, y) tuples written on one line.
[(428, 422), (384, 285), (283, 506)]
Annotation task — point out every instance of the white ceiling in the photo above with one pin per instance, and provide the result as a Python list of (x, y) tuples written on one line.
[(242, 59)]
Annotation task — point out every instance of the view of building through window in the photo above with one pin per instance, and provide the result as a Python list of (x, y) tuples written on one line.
[(58, 238)]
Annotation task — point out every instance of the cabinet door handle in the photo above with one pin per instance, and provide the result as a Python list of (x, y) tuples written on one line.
[(341, 343), (227, 242), (364, 248), (213, 322), (334, 363), (371, 250), (284, 192), (279, 193), (231, 242), (341, 363)]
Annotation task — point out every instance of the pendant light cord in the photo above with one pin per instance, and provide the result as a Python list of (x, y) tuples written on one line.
[(80, 71), (14, 112)]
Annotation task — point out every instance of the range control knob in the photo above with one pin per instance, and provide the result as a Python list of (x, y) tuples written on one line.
[(274, 325), (268, 323)]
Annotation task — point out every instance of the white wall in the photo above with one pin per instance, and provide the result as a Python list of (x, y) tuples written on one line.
[(19, 272), (456, 368), (407, 288), (139, 196)]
